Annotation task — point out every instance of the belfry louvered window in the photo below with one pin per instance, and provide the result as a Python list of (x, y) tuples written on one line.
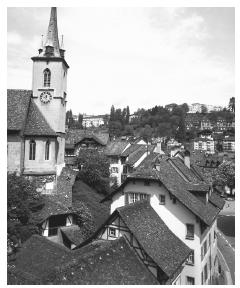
[(32, 150), (46, 78)]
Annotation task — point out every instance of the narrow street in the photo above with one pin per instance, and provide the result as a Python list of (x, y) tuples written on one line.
[(226, 236)]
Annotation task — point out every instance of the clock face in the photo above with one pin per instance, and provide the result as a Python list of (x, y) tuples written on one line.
[(45, 97)]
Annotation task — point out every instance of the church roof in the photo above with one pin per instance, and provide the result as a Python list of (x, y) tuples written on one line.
[(17, 107), (36, 124)]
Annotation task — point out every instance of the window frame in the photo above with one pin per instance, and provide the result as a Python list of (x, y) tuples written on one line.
[(189, 234), (191, 280), (32, 150), (46, 77), (47, 150), (114, 230), (190, 259), (161, 197)]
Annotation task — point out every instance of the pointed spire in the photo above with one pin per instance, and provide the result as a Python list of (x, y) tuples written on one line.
[(52, 33)]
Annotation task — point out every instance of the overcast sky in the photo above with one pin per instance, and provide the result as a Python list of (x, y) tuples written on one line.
[(139, 57)]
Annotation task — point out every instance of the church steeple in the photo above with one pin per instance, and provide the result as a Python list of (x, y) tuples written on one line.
[(52, 42)]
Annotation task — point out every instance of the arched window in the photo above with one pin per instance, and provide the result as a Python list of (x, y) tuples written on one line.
[(32, 150), (46, 78), (47, 149)]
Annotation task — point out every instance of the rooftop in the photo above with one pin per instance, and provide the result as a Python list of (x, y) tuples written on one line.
[(115, 148)]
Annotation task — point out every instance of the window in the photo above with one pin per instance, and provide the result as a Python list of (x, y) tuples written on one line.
[(205, 248), (133, 197), (174, 200), (190, 231), (190, 260), (112, 232), (215, 235), (190, 281), (32, 150), (205, 272), (162, 199), (114, 169), (46, 78), (47, 146)]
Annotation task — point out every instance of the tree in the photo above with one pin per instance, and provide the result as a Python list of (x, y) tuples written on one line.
[(231, 104), (80, 120), (146, 133), (225, 176), (94, 170), (112, 114), (22, 202), (203, 108), (127, 115)]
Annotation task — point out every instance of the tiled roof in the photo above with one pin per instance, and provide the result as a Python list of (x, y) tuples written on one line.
[(38, 256), (176, 185), (74, 136), (36, 123), (167, 251), (17, 108), (216, 200), (136, 155), (60, 199), (73, 233), (104, 262), (115, 148), (130, 150)]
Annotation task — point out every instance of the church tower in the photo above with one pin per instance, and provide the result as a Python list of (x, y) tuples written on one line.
[(49, 83)]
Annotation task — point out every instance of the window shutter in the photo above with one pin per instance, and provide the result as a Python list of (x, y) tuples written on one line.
[(126, 199)]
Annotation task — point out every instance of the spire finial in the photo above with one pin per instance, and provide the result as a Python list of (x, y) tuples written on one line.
[(52, 32)]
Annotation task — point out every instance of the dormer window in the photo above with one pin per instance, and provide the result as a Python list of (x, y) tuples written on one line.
[(32, 150), (46, 78)]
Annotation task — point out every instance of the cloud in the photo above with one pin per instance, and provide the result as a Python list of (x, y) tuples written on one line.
[(139, 57)]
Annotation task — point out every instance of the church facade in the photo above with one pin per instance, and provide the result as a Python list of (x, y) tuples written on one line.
[(36, 118)]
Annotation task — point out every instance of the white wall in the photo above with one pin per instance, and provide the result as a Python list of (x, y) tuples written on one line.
[(175, 216)]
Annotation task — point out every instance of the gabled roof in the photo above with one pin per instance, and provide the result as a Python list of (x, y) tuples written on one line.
[(158, 241), (130, 150), (38, 256), (177, 186), (136, 155), (74, 136), (115, 148), (36, 124), (60, 199), (104, 262), (216, 200), (17, 107), (74, 233)]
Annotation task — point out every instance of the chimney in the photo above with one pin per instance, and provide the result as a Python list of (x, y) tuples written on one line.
[(187, 158)]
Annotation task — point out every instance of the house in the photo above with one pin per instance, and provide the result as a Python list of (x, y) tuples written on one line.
[(78, 139), (228, 143), (113, 151), (186, 204), (206, 124), (156, 246), (36, 118), (102, 262), (93, 121), (204, 144)]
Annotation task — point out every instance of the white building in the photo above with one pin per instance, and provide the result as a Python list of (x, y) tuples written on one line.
[(92, 121), (186, 204), (204, 144)]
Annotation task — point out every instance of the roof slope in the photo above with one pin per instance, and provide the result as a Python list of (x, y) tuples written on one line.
[(36, 123), (91, 198), (136, 155), (216, 200), (38, 256), (105, 262), (167, 250), (115, 148), (175, 184), (17, 108), (74, 136)]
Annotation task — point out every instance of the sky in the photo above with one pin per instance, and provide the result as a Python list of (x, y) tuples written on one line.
[(135, 56)]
